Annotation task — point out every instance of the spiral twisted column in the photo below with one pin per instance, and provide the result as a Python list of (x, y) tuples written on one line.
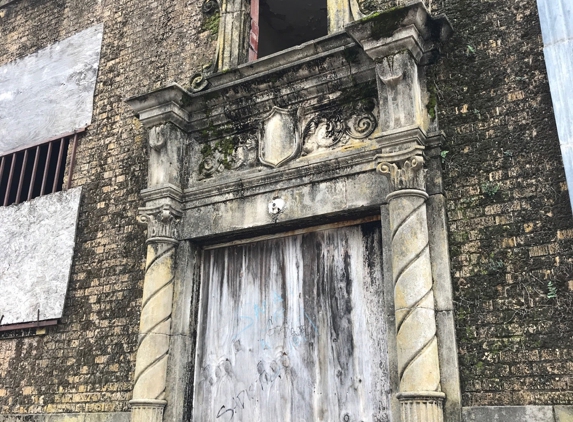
[(418, 364), (150, 376)]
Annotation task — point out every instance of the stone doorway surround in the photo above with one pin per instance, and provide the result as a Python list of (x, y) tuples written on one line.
[(338, 129)]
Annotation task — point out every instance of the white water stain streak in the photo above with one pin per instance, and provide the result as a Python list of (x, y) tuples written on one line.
[(292, 329)]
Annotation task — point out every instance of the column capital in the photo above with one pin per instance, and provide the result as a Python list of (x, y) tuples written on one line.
[(404, 169), (162, 223)]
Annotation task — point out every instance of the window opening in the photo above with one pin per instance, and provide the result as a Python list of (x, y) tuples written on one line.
[(36, 171), (277, 24)]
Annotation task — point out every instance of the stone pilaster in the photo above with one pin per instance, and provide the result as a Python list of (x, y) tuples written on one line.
[(162, 215), (150, 379), (420, 393), (342, 12), (165, 151), (233, 34)]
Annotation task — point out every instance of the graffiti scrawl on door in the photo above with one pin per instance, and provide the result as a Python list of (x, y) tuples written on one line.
[(292, 329)]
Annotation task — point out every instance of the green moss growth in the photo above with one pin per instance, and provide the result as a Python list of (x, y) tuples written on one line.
[(222, 151), (385, 23), (211, 23)]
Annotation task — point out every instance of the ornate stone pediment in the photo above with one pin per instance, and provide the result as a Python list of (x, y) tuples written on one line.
[(298, 139)]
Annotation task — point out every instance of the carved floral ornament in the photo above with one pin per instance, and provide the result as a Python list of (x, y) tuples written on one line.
[(238, 152), (405, 170), (329, 129), (162, 222), (280, 139)]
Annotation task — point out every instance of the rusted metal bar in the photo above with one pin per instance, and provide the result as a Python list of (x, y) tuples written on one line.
[(2, 162), (58, 165), (72, 162), (10, 177), (21, 179), (22, 326), (45, 141), (46, 168), (34, 170)]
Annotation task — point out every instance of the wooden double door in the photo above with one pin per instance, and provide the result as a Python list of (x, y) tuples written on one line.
[(293, 328)]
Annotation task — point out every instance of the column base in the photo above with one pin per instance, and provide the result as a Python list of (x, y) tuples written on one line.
[(147, 410), (422, 406)]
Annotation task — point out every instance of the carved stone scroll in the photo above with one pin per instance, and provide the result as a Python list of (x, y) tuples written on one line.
[(329, 129), (418, 363)]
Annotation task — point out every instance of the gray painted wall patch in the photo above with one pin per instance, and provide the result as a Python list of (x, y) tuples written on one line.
[(38, 243), (49, 93)]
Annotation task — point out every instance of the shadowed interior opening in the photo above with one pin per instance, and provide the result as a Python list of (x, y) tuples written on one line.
[(285, 24)]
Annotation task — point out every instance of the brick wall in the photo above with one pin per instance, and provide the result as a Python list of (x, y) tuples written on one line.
[(85, 364), (511, 226)]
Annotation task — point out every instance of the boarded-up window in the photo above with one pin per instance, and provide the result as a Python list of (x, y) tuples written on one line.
[(293, 329)]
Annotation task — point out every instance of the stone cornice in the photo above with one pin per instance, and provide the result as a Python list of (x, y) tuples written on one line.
[(407, 28), (162, 193), (163, 105)]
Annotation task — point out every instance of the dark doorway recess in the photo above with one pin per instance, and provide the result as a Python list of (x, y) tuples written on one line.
[(285, 24)]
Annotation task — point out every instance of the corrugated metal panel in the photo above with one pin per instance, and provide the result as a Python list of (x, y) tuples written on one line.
[(293, 329), (556, 18)]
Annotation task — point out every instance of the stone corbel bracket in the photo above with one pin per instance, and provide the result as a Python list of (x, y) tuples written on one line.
[(409, 28)]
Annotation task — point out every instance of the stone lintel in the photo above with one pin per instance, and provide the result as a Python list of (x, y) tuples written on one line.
[(338, 199), (305, 171), (163, 105)]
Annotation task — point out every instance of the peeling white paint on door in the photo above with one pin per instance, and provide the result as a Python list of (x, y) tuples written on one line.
[(292, 329)]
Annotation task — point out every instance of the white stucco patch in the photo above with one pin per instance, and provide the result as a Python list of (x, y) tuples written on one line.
[(37, 239), (49, 93)]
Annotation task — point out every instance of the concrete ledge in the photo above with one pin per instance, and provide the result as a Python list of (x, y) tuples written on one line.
[(69, 417), (518, 414)]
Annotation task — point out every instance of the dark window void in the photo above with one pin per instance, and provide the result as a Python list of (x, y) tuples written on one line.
[(284, 24), (35, 171)]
